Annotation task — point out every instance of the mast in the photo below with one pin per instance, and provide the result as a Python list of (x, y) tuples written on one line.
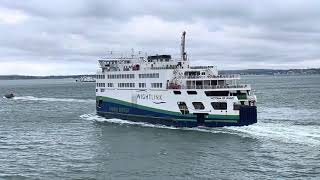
[(183, 43)]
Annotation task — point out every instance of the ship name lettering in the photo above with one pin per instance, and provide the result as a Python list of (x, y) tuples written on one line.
[(221, 98), (149, 96), (119, 109)]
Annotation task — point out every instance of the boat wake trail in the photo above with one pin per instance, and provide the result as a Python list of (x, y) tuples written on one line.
[(32, 98), (94, 117), (285, 133), (288, 125), (307, 135)]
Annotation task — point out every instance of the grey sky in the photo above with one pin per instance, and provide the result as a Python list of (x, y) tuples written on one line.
[(67, 37)]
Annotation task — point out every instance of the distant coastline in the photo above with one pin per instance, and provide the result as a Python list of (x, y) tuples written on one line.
[(274, 72), (17, 77)]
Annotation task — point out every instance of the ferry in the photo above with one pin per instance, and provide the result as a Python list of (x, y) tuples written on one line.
[(159, 89), (86, 78)]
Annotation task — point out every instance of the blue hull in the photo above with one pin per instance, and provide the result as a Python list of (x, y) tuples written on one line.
[(111, 108)]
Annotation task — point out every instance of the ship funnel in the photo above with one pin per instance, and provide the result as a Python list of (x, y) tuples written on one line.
[(183, 44)]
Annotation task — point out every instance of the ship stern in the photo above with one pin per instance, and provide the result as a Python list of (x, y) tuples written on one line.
[(248, 115)]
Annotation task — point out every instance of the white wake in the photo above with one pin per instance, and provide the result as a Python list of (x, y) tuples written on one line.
[(32, 98), (287, 133)]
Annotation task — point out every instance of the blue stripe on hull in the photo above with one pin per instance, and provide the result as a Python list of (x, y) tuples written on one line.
[(134, 113)]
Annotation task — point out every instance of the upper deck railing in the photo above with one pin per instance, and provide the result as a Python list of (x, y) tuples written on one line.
[(164, 67), (231, 76), (202, 67)]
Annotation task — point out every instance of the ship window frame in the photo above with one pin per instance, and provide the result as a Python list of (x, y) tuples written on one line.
[(149, 75), (142, 85), (219, 107), (216, 93), (185, 110), (192, 92), (236, 106), (156, 85), (201, 107), (177, 92)]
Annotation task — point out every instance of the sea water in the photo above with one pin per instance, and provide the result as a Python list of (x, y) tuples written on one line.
[(50, 131)]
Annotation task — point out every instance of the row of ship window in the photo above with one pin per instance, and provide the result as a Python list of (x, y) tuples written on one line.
[(120, 76), (214, 93), (131, 85), (199, 106), (100, 76), (101, 85), (149, 75), (128, 76)]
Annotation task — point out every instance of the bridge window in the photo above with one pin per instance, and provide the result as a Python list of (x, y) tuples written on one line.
[(192, 73), (217, 93), (219, 105), (198, 105)]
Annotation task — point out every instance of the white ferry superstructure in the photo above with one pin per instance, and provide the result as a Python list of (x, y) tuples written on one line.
[(161, 90)]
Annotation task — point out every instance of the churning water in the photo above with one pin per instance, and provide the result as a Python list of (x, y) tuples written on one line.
[(50, 131)]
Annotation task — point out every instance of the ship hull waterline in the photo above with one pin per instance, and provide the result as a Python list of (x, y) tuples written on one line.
[(138, 113)]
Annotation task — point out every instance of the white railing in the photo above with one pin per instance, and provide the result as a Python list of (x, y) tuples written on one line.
[(202, 67), (235, 76), (164, 67)]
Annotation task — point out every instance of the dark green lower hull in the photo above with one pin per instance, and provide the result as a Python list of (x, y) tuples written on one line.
[(112, 108)]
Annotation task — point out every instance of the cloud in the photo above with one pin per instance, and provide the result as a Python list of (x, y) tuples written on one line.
[(46, 68), (230, 34), (8, 16)]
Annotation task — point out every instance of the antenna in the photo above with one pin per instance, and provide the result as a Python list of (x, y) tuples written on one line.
[(183, 44), (132, 52)]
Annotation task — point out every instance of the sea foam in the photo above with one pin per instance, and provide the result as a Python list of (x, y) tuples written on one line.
[(283, 132), (32, 98)]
